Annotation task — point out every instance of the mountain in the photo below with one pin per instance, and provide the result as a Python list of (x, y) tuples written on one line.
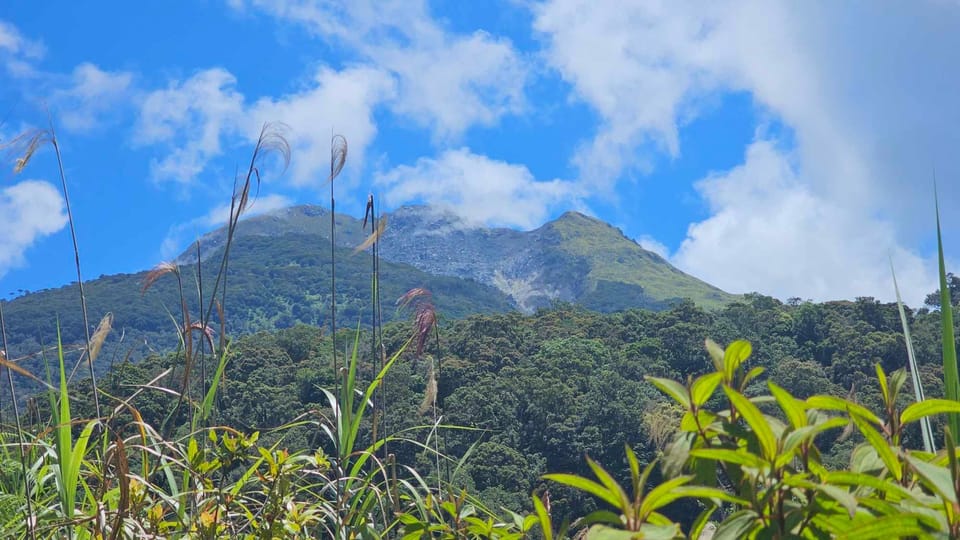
[(574, 258), (279, 275)]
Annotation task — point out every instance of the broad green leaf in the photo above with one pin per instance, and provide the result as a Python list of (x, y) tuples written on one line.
[(937, 478), (792, 407), (900, 526), (753, 416), (611, 485), (752, 374), (716, 354), (739, 457), (793, 439), (929, 407), (545, 524), (833, 403), (882, 379), (879, 443), (735, 354), (842, 496), (660, 496), (673, 389), (892, 490), (704, 386), (586, 485), (737, 526), (603, 532)]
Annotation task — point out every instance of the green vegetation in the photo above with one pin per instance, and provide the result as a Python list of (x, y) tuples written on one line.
[(612, 258), (498, 425)]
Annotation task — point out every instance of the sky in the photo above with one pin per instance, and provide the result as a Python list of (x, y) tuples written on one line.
[(788, 148)]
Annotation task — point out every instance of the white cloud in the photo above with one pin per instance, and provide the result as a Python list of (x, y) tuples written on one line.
[(650, 243), (196, 118), (769, 232), (31, 209), (178, 235), (17, 52), (93, 94), (189, 118), (446, 82), (479, 189), (336, 102), (863, 90)]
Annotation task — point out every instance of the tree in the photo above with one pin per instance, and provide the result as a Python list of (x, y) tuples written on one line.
[(953, 283)]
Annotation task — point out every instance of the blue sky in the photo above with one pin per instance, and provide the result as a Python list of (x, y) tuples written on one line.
[(781, 147)]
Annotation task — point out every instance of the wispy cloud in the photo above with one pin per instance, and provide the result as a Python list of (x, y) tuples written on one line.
[(93, 96), (862, 91), (479, 189), (445, 81), (189, 118), (178, 236)]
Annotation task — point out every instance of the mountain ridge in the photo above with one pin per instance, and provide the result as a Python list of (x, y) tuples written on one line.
[(573, 258)]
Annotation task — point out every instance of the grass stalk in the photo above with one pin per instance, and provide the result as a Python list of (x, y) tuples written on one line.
[(76, 258), (929, 445), (28, 518), (951, 377)]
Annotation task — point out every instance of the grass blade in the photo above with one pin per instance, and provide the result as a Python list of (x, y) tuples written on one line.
[(927, 432), (951, 382)]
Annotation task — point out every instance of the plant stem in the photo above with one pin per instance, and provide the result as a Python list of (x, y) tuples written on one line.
[(16, 415)]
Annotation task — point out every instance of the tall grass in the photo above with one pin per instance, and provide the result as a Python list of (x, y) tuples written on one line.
[(951, 378)]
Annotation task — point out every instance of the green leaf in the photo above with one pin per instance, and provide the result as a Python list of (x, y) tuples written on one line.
[(890, 489), (899, 526), (673, 389), (716, 354), (737, 526), (704, 387), (927, 408), (792, 407), (583, 484), (738, 457), (753, 416), (881, 446), (736, 353), (882, 379), (545, 523), (661, 496), (833, 403), (938, 479), (926, 430), (842, 496), (610, 484), (951, 378)]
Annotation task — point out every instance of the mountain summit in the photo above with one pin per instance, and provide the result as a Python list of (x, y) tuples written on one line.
[(575, 258)]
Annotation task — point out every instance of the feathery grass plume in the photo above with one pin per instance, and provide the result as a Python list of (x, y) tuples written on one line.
[(26, 145), (205, 331), (338, 156), (99, 335), (430, 393), (31, 141), (373, 238), (157, 272)]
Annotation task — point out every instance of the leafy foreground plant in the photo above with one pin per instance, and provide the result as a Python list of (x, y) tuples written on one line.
[(759, 474)]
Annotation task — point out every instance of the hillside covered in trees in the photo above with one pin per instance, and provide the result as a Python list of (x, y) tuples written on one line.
[(535, 394)]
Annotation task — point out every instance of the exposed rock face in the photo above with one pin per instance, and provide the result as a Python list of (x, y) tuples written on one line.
[(574, 258)]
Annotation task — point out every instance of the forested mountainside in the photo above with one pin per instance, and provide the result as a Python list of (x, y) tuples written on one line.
[(537, 393)]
